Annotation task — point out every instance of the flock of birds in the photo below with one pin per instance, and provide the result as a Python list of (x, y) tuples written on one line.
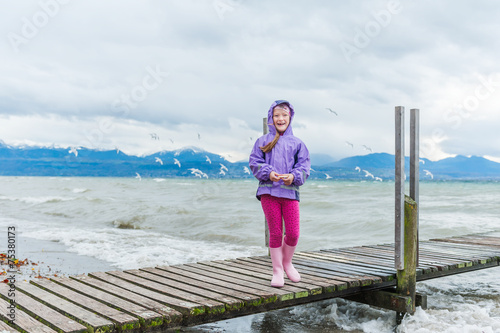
[(223, 169)]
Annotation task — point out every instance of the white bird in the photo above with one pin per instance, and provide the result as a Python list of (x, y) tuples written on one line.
[(117, 150), (328, 176), (74, 150), (223, 167), (138, 176), (368, 174), (246, 170), (154, 136), (199, 136), (222, 172), (378, 178), (312, 170), (421, 161), (428, 173), (157, 159), (367, 148), (208, 159), (198, 173), (332, 111), (176, 161), (358, 169), (349, 144), (171, 140)]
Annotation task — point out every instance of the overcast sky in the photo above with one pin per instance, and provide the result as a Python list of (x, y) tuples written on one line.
[(106, 74)]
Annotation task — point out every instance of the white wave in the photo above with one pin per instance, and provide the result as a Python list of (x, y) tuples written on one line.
[(80, 190), (131, 249)]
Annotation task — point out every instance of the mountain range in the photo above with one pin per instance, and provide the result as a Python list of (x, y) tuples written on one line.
[(195, 162)]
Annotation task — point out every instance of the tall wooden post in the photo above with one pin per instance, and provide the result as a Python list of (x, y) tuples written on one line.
[(415, 164), (399, 188), (265, 130), (407, 277)]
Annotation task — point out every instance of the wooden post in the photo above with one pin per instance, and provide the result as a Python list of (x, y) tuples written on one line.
[(415, 164), (407, 277), (399, 188), (265, 130)]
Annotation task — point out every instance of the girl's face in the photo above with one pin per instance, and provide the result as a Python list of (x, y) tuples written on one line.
[(281, 119)]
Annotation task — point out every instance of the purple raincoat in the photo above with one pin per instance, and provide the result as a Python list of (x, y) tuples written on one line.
[(290, 155)]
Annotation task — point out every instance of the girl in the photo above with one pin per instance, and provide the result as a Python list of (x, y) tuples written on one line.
[(280, 161)]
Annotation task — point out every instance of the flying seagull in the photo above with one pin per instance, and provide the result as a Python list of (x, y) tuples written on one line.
[(349, 144), (328, 176), (428, 173), (332, 111), (368, 174), (154, 136), (246, 170), (138, 176), (367, 148), (358, 169), (157, 159), (208, 159), (176, 161), (199, 136), (73, 150)]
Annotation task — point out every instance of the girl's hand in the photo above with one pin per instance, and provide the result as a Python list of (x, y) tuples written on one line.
[(273, 176), (287, 179)]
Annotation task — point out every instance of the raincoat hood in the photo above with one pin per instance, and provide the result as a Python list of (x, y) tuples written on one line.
[(270, 123)]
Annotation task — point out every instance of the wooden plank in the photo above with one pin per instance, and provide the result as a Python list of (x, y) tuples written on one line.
[(245, 297), (357, 266), (340, 282), (183, 306), (230, 303), (23, 321), (254, 296), (328, 286), (148, 319), (170, 316), (43, 313), (4, 328), (266, 268), (231, 275), (66, 308), (210, 306), (123, 321), (290, 291), (366, 277)]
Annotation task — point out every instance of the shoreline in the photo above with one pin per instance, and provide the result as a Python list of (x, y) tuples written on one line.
[(45, 259)]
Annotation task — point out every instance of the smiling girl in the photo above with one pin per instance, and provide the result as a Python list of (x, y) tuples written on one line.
[(280, 161)]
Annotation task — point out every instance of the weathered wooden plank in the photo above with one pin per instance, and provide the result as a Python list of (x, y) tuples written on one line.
[(122, 320), (253, 296), (230, 303), (223, 272), (170, 316), (371, 260), (213, 286), (43, 313), (290, 292), (148, 319), (183, 306), (355, 266), (23, 321), (349, 261), (210, 306), (328, 285), (366, 277), (266, 268), (4, 328), (66, 308)]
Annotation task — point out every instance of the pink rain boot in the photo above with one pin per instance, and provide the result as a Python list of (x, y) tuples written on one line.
[(291, 272), (277, 260)]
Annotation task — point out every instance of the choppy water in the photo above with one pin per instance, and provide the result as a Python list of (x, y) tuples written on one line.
[(131, 224)]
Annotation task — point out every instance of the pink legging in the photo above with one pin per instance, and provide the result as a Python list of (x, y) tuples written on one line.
[(278, 209)]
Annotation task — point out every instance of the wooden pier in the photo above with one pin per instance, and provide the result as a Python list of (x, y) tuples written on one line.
[(167, 297)]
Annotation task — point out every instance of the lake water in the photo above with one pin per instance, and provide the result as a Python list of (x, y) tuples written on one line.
[(131, 223)]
